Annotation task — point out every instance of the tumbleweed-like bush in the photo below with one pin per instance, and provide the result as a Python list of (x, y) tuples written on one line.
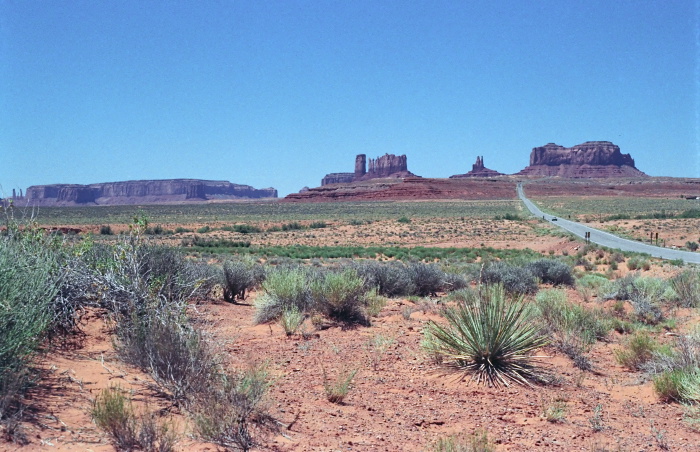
[(490, 338)]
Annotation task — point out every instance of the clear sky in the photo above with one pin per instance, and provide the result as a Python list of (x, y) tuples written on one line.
[(279, 93)]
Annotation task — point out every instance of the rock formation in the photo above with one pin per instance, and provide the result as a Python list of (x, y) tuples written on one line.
[(338, 178), (141, 192), (478, 170), (410, 188), (386, 166), (592, 159), (360, 165)]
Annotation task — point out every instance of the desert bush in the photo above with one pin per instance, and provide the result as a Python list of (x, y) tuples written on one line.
[(453, 281), (428, 279), (318, 225), (685, 354), (30, 278), (340, 296), (515, 279), (619, 289), (241, 276), (573, 328), (646, 310), (293, 226), (390, 279), (686, 285), (489, 337), (159, 340), (550, 271), (375, 302), (112, 411), (106, 230), (476, 442), (637, 351), (233, 413), (167, 273), (589, 284), (692, 246), (242, 229), (283, 289), (404, 220)]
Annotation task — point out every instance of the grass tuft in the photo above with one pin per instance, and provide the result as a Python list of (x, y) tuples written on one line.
[(490, 337)]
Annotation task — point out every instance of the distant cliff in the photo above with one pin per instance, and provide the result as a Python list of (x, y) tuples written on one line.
[(386, 166), (142, 192), (592, 159)]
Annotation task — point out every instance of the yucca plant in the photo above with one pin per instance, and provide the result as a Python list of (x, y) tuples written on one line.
[(489, 337)]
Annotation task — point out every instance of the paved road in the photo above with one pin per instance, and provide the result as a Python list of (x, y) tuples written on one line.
[(606, 239)]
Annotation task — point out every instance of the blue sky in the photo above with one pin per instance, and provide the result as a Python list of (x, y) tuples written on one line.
[(278, 94)]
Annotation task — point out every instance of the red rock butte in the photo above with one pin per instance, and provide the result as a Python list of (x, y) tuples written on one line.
[(388, 166), (592, 159)]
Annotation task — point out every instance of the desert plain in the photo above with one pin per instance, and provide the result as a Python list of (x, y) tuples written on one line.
[(399, 396)]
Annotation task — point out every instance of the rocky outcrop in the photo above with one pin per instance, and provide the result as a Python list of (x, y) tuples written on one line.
[(141, 192), (338, 178), (592, 159), (386, 166), (410, 188), (478, 170)]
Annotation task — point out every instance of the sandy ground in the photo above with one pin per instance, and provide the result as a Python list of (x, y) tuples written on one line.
[(399, 400)]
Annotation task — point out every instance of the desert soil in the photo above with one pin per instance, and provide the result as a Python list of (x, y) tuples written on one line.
[(400, 398)]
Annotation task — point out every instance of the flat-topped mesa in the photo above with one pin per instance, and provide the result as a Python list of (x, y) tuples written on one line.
[(386, 166), (588, 160), (338, 178), (142, 192), (478, 170)]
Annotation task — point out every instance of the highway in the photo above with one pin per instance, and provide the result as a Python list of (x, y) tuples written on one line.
[(609, 240)]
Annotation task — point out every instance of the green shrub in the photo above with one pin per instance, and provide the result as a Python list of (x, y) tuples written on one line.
[(31, 275), (283, 289), (106, 230), (242, 229), (638, 350), (113, 412), (404, 220), (318, 225), (573, 328), (686, 285), (340, 296), (293, 226), (375, 302), (291, 319), (204, 230), (489, 337), (679, 385)]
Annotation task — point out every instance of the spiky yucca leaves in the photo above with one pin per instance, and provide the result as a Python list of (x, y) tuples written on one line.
[(489, 337)]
